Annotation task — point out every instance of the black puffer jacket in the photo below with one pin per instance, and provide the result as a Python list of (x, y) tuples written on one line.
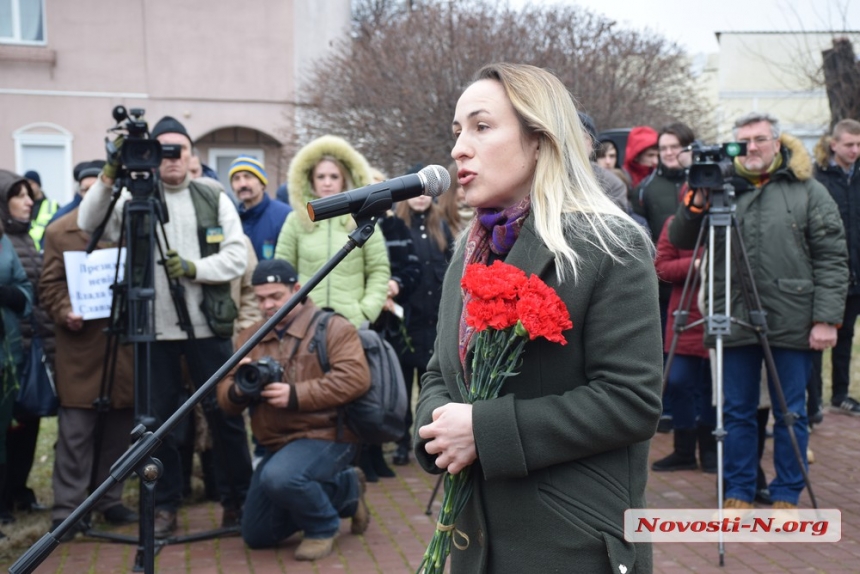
[(405, 270), (424, 305), (845, 191), (31, 260)]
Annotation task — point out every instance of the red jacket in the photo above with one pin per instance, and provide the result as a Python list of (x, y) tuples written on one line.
[(672, 265)]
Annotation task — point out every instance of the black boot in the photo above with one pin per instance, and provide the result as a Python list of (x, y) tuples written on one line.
[(401, 455), (6, 516), (707, 449), (684, 457), (366, 464), (378, 461)]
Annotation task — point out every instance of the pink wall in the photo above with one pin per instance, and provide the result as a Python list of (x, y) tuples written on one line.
[(210, 64)]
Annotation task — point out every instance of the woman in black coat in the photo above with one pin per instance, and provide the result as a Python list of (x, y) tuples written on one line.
[(433, 242)]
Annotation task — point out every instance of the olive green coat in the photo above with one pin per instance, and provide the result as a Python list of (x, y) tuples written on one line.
[(563, 452)]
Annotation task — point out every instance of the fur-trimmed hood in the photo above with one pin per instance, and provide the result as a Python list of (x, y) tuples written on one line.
[(299, 174), (799, 160), (8, 180), (823, 152)]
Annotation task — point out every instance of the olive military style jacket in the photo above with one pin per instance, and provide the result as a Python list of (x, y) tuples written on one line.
[(563, 452), (796, 247)]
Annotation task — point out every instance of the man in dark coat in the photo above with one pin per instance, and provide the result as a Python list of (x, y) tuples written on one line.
[(839, 172), (796, 247)]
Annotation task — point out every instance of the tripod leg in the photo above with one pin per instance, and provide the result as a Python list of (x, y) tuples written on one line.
[(800, 364), (428, 510)]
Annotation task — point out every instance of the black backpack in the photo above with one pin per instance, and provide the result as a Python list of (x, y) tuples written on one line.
[(378, 415)]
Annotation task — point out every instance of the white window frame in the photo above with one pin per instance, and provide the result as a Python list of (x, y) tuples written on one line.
[(23, 137), (16, 27)]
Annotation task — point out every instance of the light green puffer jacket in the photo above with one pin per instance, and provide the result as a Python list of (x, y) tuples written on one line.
[(358, 286)]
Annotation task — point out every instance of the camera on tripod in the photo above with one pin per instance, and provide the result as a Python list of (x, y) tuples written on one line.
[(139, 154), (713, 165), (252, 377)]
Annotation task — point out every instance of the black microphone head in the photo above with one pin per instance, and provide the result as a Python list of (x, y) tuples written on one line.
[(436, 180)]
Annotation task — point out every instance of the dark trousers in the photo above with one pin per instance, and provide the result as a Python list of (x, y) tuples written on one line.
[(75, 453), (20, 452), (306, 485), (690, 390), (229, 438), (841, 355)]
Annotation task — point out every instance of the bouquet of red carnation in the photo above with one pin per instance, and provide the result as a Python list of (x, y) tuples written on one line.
[(506, 309)]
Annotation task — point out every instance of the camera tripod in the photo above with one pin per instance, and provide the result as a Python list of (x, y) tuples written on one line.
[(133, 315), (138, 459), (722, 216)]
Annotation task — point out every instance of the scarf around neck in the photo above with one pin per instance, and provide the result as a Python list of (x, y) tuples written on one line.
[(497, 231), (755, 178)]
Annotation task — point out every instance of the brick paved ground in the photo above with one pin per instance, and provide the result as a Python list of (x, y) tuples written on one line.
[(399, 531)]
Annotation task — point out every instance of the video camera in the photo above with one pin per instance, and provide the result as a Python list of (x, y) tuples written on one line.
[(713, 165), (252, 377), (139, 154)]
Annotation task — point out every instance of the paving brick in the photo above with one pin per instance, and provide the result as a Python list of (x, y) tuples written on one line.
[(400, 530)]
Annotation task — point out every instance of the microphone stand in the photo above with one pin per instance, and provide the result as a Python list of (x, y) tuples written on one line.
[(138, 458)]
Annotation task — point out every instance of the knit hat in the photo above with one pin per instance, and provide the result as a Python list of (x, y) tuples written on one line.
[(33, 175), (274, 271), (88, 169), (249, 164), (168, 125)]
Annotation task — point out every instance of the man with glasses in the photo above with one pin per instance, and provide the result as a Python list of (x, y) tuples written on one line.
[(796, 246)]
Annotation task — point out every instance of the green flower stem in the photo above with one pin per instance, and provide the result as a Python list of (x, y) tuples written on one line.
[(495, 357)]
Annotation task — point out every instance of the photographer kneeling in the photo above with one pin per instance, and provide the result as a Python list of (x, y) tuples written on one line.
[(305, 481)]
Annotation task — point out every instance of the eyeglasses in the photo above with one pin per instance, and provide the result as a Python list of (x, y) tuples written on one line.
[(759, 141)]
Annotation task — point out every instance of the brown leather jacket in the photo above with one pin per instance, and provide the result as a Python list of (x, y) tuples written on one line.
[(318, 394)]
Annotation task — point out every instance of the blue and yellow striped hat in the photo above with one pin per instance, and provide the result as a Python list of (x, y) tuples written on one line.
[(248, 163)]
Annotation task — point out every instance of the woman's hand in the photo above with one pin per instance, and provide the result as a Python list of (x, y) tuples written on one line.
[(451, 437)]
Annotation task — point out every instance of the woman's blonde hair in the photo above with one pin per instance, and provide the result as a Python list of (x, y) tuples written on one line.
[(564, 181)]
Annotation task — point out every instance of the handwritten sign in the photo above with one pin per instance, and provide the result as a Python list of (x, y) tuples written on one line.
[(89, 278)]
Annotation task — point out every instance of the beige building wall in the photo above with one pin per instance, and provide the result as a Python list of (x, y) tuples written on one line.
[(229, 71), (775, 72)]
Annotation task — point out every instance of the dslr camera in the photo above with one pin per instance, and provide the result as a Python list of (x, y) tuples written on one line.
[(139, 155), (252, 377), (712, 165)]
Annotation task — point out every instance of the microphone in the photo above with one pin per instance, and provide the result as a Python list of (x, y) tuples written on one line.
[(376, 198)]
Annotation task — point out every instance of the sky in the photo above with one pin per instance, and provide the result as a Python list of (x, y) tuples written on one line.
[(692, 23)]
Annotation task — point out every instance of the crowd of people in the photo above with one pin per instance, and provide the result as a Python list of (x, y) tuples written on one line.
[(564, 450)]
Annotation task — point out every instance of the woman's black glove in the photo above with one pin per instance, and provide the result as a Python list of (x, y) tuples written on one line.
[(13, 298)]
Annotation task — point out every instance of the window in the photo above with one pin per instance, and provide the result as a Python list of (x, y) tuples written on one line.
[(221, 158), (22, 21), (47, 149)]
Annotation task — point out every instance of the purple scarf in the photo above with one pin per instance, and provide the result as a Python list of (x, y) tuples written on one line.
[(496, 231)]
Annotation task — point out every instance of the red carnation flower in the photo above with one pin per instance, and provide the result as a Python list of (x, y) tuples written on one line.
[(542, 312), (497, 281)]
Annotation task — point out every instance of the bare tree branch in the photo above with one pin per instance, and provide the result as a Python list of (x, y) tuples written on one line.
[(391, 89)]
